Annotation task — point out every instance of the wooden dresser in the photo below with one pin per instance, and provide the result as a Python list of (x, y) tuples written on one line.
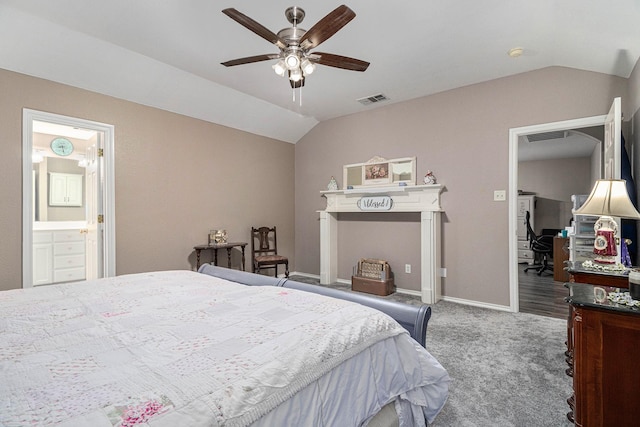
[(604, 343)]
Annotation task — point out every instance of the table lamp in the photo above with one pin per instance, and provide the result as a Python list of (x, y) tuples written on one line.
[(608, 198)]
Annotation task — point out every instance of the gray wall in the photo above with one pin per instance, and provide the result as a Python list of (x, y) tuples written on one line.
[(463, 136), (555, 179), (175, 178)]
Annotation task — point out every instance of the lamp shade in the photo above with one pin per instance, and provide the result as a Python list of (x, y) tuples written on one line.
[(609, 197)]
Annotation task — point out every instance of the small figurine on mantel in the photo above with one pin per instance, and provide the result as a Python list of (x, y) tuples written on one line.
[(430, 178), (333, 184)]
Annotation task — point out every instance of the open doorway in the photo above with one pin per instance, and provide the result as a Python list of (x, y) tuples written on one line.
[(555, 170), (68, 200), (515, 137)]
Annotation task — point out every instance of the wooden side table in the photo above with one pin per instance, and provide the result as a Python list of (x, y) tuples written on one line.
[(215, 247)]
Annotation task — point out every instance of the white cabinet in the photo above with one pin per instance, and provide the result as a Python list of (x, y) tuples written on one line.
[(58, 256), (42, 257), (65, 189), (525, 204)]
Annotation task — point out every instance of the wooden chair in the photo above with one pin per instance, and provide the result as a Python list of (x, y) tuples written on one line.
[(264, 250)]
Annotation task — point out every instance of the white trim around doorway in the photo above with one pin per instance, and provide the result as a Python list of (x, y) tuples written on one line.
[(514, 134), (108, 187)]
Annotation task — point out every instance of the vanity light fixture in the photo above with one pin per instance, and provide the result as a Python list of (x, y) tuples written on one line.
[(37, 156)]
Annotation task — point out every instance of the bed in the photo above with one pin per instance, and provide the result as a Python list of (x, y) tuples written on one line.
[(183, 348)]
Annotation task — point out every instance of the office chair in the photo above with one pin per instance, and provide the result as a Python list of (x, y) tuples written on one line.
[(542, 247)]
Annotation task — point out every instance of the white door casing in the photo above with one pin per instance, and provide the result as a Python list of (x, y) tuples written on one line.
[(514, 134), (106, 182)]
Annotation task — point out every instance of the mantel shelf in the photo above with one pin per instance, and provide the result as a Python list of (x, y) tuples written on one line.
[(384, 190)]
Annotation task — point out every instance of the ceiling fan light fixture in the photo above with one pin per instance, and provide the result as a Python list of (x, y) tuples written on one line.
[(295, 75), (292, 61), (307, 66), (279, 67)]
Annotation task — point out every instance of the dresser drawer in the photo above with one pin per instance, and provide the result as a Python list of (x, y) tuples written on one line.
[(528, 255), (68, 261), (68, 236), (523, 245), (68, 248), (68, 274)]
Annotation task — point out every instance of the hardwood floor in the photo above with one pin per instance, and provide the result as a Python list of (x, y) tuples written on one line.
[(541, 294)]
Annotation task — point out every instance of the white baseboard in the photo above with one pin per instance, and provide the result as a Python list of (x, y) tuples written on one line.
[(419, 294), (348, 282), (477, 303)]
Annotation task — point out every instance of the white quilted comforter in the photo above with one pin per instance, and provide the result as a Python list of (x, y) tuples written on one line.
[(181, 348)]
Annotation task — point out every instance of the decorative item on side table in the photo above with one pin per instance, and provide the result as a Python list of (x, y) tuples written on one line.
[(217, 236), (608, 199), (373, 276), (430, 178), (333, 184)]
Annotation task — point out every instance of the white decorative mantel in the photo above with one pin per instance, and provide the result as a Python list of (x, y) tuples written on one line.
[(412, 198)]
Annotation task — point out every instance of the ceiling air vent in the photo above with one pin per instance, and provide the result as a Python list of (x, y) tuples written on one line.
[(545, 136), (372, 99)]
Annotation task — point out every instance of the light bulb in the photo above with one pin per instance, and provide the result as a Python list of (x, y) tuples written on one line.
[(279, 68), (37, 156), (292, 61), (307, 66), (295, 75)]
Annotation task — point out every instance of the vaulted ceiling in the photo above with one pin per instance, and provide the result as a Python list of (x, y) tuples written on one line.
[(167, 54)]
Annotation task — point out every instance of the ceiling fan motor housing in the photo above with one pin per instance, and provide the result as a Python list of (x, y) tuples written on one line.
[(294, 15)]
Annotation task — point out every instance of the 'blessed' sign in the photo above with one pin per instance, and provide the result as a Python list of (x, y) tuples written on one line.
[(375, 203)]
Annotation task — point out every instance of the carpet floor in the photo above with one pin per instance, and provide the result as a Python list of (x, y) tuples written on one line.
[(506, 369)]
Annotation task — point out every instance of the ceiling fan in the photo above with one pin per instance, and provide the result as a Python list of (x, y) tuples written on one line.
[(294, 60)]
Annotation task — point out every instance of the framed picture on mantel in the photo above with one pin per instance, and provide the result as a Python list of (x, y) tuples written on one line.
[(379, 171)]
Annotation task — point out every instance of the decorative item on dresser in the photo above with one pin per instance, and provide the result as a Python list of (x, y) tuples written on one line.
[(604, 339), (608, 200)]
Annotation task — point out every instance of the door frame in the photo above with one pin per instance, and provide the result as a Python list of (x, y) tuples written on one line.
[(108, 188), (514, 134)]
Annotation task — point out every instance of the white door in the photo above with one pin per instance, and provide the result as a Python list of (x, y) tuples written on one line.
[(93, 189), (613, 141)]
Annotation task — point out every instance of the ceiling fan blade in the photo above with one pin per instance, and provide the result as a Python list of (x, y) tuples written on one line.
[(338, 61), (327, 26), (250, 59), (254, 26)]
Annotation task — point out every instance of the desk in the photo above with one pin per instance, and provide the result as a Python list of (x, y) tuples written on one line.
[(215, 247)]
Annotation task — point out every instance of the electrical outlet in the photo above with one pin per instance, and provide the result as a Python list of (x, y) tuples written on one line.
[(407, 268), (499, 195)]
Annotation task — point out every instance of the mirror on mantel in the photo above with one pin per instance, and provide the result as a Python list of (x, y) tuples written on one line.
[(380, 172)]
